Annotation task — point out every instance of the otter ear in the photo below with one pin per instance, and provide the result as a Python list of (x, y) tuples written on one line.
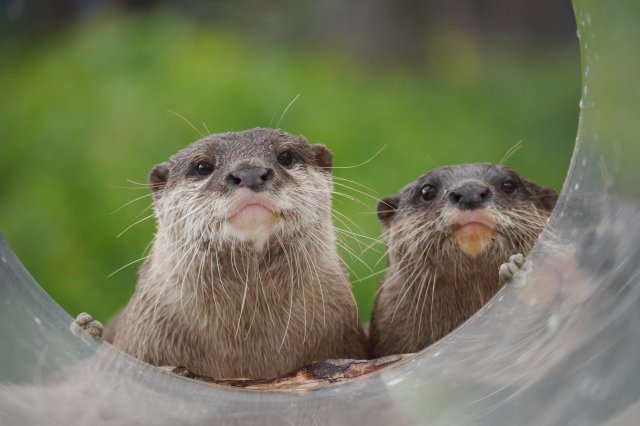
[(324, 157), (387, 208), (546, 197), (158, 177)]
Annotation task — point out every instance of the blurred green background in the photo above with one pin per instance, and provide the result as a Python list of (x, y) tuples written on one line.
[(85, 93)]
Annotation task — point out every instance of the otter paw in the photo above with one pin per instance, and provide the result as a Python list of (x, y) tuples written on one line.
[(84, 325), (508, 270)]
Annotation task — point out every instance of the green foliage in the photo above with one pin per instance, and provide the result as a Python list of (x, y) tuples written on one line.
[(86, 110)]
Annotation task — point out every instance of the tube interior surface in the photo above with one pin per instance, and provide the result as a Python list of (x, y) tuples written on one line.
[(559, 345)]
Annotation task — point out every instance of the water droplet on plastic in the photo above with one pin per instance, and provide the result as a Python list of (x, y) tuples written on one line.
[(37, 320), (395, 382), (587, 71), (552, 323), (580, 104), (436, 354), (4, 260), (578, 33), (584, 162), (588, 18), (589, 387), (576, 186)]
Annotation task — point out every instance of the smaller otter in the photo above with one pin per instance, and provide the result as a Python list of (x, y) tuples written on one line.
[(448, 233)]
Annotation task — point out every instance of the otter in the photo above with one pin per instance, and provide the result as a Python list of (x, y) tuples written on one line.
[(448, 233), (243, 279)]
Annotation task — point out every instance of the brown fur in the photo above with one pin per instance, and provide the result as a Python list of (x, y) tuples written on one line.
[(431, 285), (225, 305)]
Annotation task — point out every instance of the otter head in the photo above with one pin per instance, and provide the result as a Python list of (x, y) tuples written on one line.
[(467, 210), (243, 187)]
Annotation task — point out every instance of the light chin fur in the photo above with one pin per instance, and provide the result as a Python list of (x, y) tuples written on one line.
[(473, 240), (258, 235)]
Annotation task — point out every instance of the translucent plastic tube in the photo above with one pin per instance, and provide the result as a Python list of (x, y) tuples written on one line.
[(560, 345)]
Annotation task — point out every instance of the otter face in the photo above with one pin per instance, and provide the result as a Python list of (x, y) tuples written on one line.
[(243, 186), (466, 210)]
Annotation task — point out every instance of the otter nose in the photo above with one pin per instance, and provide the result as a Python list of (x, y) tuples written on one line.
[(250, 177), (470, 196)]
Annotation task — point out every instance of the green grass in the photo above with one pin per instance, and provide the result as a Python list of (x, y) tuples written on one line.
[(84, 111)]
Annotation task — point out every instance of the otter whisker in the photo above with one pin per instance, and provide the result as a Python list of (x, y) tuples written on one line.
[(351, 198), (354, 256), (369, 276), (138, 185), (194, 254), (219, 269), (262, 289), (309, 261), (286, 330), (356, 235), (373, 197), (165, 285), (344, 245), (130, 202), (373, 244), (412, 282), (143, 211), (287, 109), (181, 280), (347, 232), (134, 224), (144, 185), (244, 298), (371, 192), (507, 155), (186, 121), (413, 310), (127, 265), (254, 260), (299, 266), (363, 163), (204, 279), (348, 219)]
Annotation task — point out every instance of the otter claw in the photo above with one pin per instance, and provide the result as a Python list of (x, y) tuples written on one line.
[(508, 270), (88, 325)]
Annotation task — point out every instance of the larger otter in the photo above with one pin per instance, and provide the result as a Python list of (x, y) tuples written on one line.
[(243, 279), (448, 232)]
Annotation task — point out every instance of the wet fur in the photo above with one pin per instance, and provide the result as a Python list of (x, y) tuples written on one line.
[(225, 306), (431, 286)]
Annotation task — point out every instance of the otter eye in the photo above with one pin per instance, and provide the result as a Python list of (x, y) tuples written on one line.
[(203, 168), (428, 192), (508, 186), (285, 158)]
